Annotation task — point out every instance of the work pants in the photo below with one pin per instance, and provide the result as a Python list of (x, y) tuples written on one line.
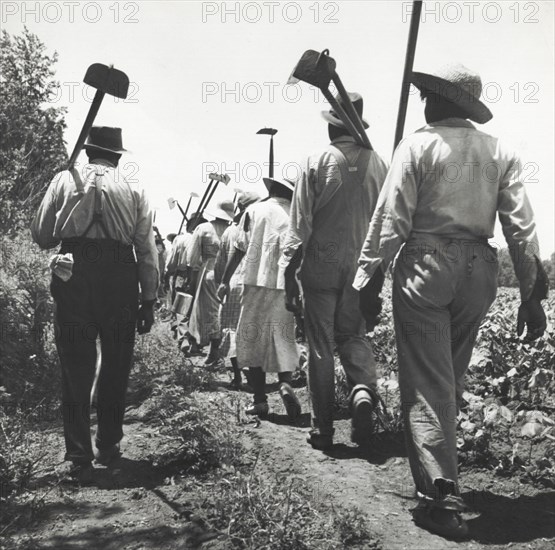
[(99, 300), (442, 291), (332, 317)]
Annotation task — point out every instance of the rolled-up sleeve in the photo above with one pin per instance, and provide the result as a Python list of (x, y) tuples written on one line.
[(145, 248), (517, 220), (391, 222)]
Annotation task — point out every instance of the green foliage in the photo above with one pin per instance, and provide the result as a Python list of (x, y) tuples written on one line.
[(21, 453), (32, 147), (507, 415), (506, 275), (254, 511), (197, 434), (29, 360), (549, 266)]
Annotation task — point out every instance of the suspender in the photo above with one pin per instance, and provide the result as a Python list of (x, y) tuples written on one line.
[(346, 171), (98, 207)]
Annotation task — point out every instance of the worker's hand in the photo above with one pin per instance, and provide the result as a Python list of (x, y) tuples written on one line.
[(370, 303), (293, 302), (223, 292), (531, 314), (145, 317)]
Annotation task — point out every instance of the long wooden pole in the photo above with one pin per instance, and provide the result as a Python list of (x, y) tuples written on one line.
[(409, 61)]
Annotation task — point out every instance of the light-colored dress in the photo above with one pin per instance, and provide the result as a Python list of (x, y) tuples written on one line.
[(231, 309), (204, 324), (266, 330)]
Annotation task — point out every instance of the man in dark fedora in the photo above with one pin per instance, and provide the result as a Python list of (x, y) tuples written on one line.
[(333, 202), (104, 225), (447, 183)]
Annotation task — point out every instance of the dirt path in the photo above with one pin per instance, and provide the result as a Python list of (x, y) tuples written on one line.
[(136, 506), (379, 483)]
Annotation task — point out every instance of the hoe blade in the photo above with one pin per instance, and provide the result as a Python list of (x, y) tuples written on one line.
[(107, 79)]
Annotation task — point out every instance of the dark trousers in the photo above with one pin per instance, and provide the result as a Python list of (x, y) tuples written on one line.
[(99, 300), (258, 380)]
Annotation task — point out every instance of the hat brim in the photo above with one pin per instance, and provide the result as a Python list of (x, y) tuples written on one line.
[(269, 183), (98, 148), (472, 105), (220, 214), (335, 121)]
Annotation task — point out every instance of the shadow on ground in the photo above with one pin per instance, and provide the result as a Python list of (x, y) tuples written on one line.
[(505, 520)]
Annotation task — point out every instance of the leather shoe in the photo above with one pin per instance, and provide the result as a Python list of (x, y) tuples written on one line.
[(320, 441), (105, 456), (258, 409)]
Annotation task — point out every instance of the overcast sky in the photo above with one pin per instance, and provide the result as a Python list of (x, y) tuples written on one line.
[(205, 76)]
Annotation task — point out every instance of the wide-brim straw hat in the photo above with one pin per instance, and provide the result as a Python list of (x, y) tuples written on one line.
[(270, 182), (225, 210), (246, 198), (457, 84), (358, 103), (105, 138)]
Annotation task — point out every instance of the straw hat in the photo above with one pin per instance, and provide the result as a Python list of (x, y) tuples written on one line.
[(457, 84), (224, 210), (356, 99), (246, 198), (269, 183)]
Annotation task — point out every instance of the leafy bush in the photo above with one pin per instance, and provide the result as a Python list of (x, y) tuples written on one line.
[(29, 369), (32, 147), (507, 416), (198, 436), (21, 453), (253, 511)]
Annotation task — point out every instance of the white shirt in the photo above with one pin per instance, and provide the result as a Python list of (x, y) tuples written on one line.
[(451, 179)]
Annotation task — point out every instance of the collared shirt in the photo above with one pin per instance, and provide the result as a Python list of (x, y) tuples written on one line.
[(262, 232), (330, 216), (65, 213), (449, 179)]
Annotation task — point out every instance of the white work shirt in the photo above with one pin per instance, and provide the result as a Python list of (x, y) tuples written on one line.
[(65, 214), (449, 179)]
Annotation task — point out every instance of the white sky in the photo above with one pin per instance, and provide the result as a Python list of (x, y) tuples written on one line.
[(175, 51)]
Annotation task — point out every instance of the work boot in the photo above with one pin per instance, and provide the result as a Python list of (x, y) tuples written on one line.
[(105, 456), (258, 409), (362, 405), (320, 442), (290, 400), (82, 472)]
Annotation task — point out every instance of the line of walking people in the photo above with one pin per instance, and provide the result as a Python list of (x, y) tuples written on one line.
[(319, 246)]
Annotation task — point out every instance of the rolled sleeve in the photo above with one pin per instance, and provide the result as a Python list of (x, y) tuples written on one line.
[(517, 220), (145, 248)]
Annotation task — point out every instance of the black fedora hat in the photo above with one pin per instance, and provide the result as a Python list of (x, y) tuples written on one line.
[(105, 138)]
